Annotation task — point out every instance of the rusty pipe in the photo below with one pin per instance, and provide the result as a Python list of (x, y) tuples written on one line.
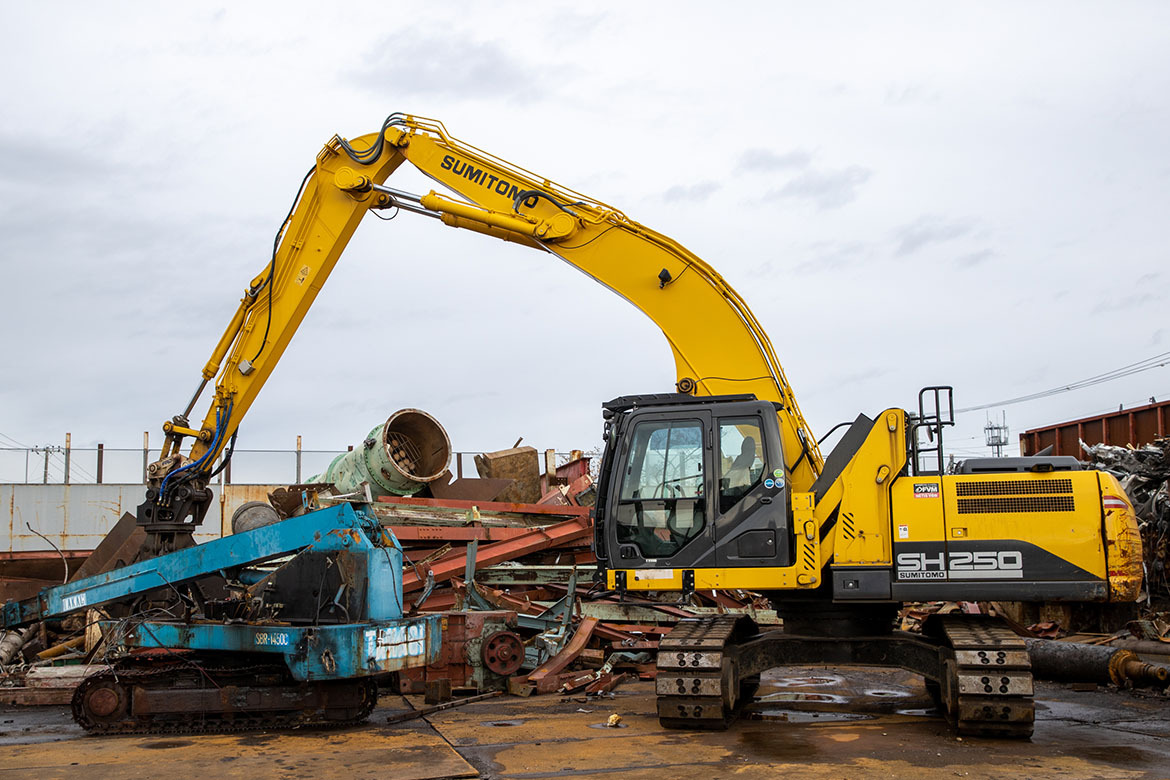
[(398, 458), (1072, 662), (63, 648)]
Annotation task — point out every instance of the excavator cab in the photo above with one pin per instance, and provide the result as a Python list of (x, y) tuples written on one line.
[(692, 482)]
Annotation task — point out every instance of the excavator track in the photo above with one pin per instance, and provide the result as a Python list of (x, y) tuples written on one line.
[(698, 683), (708, 669), (986, 686), (200, 698)]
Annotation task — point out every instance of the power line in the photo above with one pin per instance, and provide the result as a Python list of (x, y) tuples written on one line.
[(73, 466), (14, 441), (1117, 373), (1131, 404)]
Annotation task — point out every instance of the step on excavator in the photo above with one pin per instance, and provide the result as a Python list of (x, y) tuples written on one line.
[(720, 484)]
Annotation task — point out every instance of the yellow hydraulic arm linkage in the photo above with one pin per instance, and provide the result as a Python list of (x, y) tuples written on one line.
[(718, 345)]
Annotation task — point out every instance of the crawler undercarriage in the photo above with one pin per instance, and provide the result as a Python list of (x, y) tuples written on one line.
[(978, 669), (189, 693)]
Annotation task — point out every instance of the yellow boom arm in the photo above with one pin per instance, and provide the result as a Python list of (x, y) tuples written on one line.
[(718, 345)]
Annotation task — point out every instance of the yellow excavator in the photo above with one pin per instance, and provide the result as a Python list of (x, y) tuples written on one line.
[(720, 484)]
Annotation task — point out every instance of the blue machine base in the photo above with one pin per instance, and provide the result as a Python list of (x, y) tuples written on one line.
[(331, 652)]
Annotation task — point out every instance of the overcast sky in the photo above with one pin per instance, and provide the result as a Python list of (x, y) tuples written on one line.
[(906, 194)]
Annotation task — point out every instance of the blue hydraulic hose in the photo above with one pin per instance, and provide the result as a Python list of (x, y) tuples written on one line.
[(220, 425)]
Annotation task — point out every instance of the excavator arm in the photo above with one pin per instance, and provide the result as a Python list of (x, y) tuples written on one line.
[(718, 345)]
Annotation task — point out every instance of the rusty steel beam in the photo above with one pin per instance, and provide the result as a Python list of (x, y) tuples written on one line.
[(534, 540), (119, 548), (532, 575), (606, 631), (412, 714), (43, 555), (443, 533), (489, 506), (439, 602), (643, 629), (36, 697), (547, 674), (607, 682), (526, 602)]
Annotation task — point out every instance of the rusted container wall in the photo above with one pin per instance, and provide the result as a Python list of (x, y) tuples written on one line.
[(78, 517), (1137, 426)]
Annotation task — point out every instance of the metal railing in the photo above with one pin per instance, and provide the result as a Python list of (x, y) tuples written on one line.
[(55, 464)]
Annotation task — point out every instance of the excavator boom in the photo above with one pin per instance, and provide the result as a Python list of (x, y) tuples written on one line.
[(717, 343)]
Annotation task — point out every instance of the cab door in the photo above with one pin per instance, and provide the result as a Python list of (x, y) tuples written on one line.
[(750, 495), (661, 512)]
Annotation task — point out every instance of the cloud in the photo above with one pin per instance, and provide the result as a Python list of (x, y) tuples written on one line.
[(765, 160), (908, 94), (695, 193), (861, 375), (929, 230), (582, 23), (974, 259), (451, 63), (834, 256), (1125, 302), (472, 397), (827, 189), (25, 161)]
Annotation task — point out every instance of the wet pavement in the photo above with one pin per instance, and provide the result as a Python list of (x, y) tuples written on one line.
[(806, 723)]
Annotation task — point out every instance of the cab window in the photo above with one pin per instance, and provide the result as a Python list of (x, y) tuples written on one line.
[(661, 505), (741, 459)]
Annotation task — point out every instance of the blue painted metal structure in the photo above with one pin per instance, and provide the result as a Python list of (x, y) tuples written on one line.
[(380, 640), (337, 652)]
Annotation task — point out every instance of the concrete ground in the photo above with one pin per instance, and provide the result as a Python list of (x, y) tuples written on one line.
[(806, 723)]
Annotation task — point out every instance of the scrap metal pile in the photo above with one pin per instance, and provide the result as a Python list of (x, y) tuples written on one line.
[(505, 557), (515, 577), (1145, 474)]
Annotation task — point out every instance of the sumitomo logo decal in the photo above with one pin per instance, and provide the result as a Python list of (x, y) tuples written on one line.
[(926, 490), (984, 564), (479, 176)]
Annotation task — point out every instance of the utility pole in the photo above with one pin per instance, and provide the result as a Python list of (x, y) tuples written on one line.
[(47, 450), (996, 435)]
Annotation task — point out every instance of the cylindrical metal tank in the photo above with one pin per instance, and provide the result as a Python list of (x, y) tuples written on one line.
[(252, 515), (1092, 663), (398, 458)]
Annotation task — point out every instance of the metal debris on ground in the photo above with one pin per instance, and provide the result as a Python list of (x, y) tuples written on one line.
[(505, 557)]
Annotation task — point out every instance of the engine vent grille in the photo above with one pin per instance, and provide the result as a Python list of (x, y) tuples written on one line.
[(1013, 487), (1005, 504)]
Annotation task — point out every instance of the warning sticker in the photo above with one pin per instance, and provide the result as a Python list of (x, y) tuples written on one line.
[(903, 532), (654, 574)]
